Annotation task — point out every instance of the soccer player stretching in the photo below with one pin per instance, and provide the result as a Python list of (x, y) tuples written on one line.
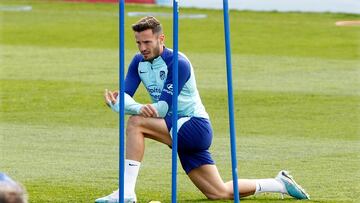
[(153, 67)]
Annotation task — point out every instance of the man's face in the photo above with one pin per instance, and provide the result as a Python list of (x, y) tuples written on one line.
[(150, 45)]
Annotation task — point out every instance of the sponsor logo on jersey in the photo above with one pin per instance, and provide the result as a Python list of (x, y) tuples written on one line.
[(154, 91), (169, 89)]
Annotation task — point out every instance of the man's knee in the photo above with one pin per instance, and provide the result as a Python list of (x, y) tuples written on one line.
[(135, 120), (134, 123)]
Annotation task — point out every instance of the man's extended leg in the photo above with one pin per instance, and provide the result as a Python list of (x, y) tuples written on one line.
[(195, 137), (208, 180)]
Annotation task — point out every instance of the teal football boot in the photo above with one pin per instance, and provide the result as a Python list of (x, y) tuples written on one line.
[(114, 198), (292, 188)]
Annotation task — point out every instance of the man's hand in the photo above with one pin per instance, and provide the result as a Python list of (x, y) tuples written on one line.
[(110, 97), (148, 111)]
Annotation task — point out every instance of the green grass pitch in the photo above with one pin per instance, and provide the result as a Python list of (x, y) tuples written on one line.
[(296, 88)]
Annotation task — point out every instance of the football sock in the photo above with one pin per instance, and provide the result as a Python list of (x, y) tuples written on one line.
[(269, 185), (131, 173)]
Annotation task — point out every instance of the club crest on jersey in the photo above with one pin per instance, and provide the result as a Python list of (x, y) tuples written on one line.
[(162, 75)]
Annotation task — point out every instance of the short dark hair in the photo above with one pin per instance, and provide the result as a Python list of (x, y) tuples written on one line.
[(148, 22)]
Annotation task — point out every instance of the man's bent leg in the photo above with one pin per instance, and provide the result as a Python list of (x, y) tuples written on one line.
[(137, 129)]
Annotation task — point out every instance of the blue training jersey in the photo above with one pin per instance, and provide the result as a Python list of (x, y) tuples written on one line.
[(156, 75)]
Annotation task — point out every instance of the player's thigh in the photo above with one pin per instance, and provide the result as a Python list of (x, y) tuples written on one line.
[(209, 182), (153, 128)]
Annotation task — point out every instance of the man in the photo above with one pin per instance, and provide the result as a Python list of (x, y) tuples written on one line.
[(153, 67), (11, 191)]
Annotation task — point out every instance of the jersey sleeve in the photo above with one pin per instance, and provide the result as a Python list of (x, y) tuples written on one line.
[(132, 79), (165, 101)]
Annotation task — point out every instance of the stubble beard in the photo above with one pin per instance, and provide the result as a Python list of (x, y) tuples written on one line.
[(155, 51)]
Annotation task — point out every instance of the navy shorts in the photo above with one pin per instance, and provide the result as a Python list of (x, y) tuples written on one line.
[(194, 140)]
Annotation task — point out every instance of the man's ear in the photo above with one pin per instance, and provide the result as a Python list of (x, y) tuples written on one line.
[(162, 38)]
